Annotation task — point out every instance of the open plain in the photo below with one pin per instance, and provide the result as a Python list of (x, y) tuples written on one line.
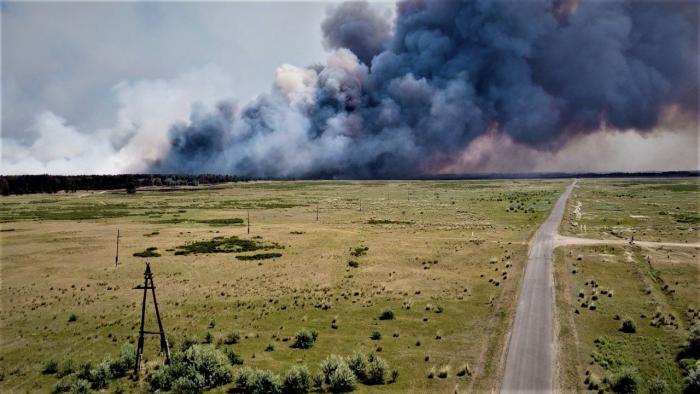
[(424, 274)]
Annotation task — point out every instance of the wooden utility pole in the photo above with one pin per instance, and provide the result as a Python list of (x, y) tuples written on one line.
[(116, 258), (360, 205), (248, 221), (164, 348), (317, 212)]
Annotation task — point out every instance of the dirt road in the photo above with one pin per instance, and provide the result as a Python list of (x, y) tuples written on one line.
[(529, 361)]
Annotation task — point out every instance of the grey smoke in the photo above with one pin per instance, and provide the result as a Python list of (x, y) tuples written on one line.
[(539, 72)]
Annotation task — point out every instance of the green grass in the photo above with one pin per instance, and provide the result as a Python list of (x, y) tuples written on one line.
[(224, 245)]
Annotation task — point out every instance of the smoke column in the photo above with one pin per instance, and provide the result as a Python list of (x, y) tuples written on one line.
[(400, 100)]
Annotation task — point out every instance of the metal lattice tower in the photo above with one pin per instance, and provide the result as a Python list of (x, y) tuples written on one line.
[(164, 348)]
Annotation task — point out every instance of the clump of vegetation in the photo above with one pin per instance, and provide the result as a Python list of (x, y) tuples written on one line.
[(353, 263), (259, 256), (50, 367), (234, 358), (200, 367), (124, 362), (258, 381), (149, 252), (359, 251), (232, 338), (387, 314), (385, 221), (337, 374), (297, 380), (231, 244), (625, 382), (628, 326), (304, 338), (375, 335), (221, 222), (72, 317)]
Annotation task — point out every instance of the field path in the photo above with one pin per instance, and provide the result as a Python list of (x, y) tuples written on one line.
[(529, 359)]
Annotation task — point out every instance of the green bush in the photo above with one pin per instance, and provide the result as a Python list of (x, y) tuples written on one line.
[(234, 358), (358, 365), (376, 335), (628, 326), (188, 385), (124, 362), (353, 264), (66, 368), (50, 367), (625, 382), (232, 338), (202, 365), (692, 381), (304, 338), (251, 381), (72, 317), (376, 369), (80, 386), (658, 386), (337, 374), (188, 343), (692, 346), (297, 380), (387, 314)]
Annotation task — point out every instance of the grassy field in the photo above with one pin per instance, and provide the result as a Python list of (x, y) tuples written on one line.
[(445, 256), (648, 209), (599, 287)]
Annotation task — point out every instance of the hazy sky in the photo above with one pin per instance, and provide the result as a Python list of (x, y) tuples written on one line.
[(77, 78)]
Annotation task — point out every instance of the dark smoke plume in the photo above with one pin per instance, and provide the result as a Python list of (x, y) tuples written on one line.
[(402, 105)]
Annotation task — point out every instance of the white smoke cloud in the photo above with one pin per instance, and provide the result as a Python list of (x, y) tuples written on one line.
[(146, 111)]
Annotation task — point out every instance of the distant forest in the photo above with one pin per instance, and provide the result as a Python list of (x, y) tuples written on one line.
[(27, 184)]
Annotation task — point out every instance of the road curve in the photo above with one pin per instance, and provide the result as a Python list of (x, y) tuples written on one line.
[(529, 360)]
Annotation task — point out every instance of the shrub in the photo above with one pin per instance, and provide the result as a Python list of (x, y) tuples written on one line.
[(330, 364), (305, 338), (376, 369), (376, 335), (341, 380), (270, 347), (628, 326), (625, 382), (187, 385), (387, 314), (232, 338), (72, 317), (394, 376), (443, 372), (692, 346), (692, 381), (358, 364), (80, 386), (658, 386), (50, 367), (259, 256), (234, 358), (208, 338), (353, 264), (297, 380), (124, 362), (258, 381), (66, 368), (188, 343), (203, 365)]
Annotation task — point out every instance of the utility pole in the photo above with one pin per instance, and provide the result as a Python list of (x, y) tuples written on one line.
[(317, 212), (164, 348), (360, 205), (116, 258), (248, 221)]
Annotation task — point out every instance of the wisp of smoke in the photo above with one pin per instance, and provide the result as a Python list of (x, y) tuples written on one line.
[(400, 101)]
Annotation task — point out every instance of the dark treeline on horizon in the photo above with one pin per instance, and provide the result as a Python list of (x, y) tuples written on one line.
[(28, 184)]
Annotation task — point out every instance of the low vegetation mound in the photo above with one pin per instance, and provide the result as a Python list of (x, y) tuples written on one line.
[(260, 256), (231, 244), (200, 367), (387, 221), (149, 252)]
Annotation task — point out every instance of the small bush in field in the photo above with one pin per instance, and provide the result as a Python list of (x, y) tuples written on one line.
[(376, 335), (232, 338), (50, 367), (387, 314), (304, 338), (628, 326), (297, 380)]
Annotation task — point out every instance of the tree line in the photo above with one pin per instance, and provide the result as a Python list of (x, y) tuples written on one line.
[(28, 184)]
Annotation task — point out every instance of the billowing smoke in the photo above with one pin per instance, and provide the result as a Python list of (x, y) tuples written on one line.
[(408, 99)]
